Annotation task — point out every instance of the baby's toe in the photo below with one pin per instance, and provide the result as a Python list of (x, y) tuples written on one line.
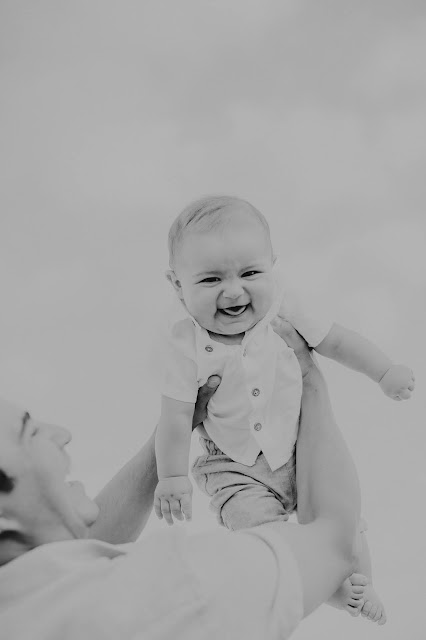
[(372, 612), (358, 580), (352, 602), (383, 619), (378, 614), (353, 611), (366, 608)]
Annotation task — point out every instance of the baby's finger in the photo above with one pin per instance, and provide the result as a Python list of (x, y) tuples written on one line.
[(186, 506), (405, 394), (411, 386), (157, 508), (165, 508), (175, 509)]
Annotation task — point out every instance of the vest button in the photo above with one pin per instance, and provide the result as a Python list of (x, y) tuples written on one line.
[(209, 348), (257, 426), (255, 392)]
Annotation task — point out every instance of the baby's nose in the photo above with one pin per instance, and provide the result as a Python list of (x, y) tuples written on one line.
[(233, 290)]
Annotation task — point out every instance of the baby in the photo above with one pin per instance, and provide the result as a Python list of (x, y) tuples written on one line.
[(229, 290)]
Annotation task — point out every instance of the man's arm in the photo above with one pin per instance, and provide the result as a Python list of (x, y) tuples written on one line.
[(327, 485), (126, 501)]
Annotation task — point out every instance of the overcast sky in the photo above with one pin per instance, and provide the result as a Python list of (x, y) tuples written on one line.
[(113, 115)]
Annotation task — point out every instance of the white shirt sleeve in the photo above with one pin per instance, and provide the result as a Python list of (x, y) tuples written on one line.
[(252, 583), (307, 316), (180, 371)]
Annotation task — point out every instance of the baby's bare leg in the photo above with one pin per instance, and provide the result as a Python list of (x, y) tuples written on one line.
[(327, 486), (356, 594), (311, 443)]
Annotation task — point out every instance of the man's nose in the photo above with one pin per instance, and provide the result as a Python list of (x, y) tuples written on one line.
[(233, 289), (59, 435)]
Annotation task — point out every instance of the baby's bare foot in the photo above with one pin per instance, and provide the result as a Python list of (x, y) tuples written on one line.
[(373, 608), (350, 595)]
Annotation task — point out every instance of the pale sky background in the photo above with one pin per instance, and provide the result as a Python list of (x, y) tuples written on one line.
[(114, 115)]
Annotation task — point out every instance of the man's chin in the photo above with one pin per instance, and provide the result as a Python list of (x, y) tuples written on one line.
[(86, 508)]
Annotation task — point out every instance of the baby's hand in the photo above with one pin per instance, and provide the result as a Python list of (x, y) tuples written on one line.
[(398, 382), (173, 498)]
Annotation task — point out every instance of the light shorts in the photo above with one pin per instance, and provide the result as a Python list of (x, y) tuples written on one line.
[(242, 496)]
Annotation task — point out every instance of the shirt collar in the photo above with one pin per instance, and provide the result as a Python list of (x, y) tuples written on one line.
[(180, 313)]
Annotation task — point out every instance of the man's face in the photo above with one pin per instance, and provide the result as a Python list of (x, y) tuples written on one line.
[(45, 505), (224, 276)]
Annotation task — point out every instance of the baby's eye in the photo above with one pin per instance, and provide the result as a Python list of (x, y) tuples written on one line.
[(247, 274), (210, 280)]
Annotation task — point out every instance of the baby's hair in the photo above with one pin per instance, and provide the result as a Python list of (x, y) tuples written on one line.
[(206, 214)]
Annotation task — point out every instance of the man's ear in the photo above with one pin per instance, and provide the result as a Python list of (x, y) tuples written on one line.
[(172, 278), (9, 524), (13, 541)]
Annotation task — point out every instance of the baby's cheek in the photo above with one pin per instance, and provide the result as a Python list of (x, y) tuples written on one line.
[(265, 297), (203, 306)]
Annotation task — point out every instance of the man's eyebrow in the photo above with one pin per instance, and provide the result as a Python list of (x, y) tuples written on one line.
[(24, 423)]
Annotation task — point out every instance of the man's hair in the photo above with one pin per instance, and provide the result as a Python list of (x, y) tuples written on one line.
[(6, 483), (206, 214)]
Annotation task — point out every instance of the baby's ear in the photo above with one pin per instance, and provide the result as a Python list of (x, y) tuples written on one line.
[(172, 278)]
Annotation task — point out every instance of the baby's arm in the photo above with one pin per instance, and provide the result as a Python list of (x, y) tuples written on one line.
[(356, 352), (173, 495)]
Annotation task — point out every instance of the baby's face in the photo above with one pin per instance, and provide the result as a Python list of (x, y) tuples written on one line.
[(224, 276)]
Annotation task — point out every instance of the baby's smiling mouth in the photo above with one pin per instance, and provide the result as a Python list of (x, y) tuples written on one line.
[(234, 311)]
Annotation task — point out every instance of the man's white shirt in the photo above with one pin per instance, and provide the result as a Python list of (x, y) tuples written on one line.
[(157, 589), (256, 407)]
